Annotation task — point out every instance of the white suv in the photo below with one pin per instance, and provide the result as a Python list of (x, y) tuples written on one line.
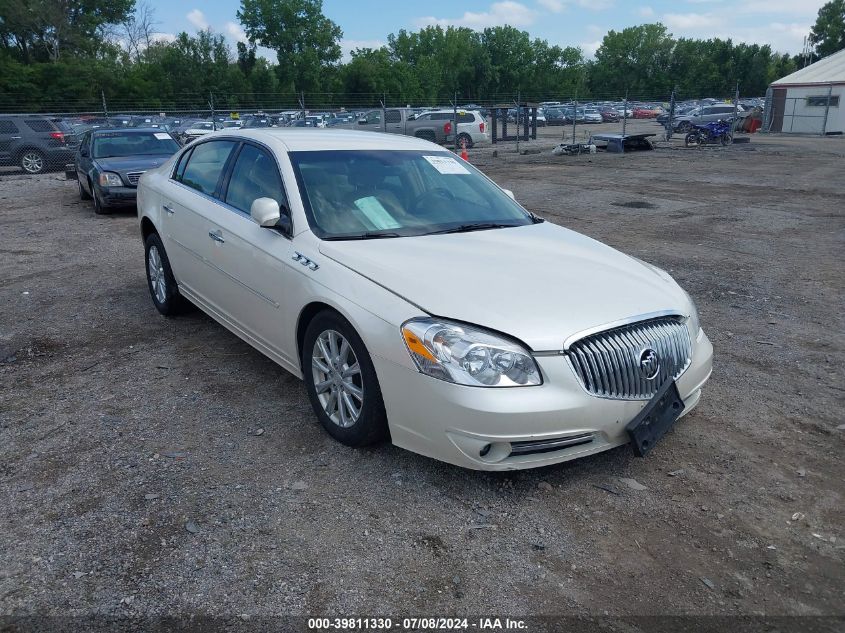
[(472, 127)]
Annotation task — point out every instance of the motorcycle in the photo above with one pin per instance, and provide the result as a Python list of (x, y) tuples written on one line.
[(715, 132)]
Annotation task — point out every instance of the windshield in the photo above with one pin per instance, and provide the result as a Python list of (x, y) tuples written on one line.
[(391, 193), (118, 144)]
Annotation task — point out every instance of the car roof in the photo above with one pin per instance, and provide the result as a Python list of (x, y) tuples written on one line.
[(127, 130), (321, 139)]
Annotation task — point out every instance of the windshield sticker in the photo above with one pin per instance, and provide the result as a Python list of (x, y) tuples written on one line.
[(162, 136), (376, 214), (446, 165)]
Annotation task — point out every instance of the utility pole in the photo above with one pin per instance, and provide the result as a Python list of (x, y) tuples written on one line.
[(827, 109), (302, 104), (624, 120), (383, 102), (574, 117), (105, 107), (455, 119), (670, 128), (211, 107), (518, 112), (736, 109)]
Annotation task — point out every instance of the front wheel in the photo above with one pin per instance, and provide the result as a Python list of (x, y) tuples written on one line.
[(727, 139), (83, 195), (99, 208), (463, 137), (691, 139), (341, 382)]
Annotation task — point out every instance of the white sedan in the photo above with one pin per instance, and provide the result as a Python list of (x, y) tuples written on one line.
[(417, 300)]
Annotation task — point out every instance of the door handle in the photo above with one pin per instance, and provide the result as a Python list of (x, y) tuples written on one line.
[(167, 208), (216, 236)]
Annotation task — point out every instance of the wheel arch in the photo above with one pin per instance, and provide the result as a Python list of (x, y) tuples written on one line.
[(147, 228), (306, 315), (20, 151)]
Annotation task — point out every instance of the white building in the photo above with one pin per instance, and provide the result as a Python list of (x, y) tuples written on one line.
[(810, 100)]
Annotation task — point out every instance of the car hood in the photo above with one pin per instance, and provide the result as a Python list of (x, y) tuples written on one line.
[(123, 164), (540, 283)]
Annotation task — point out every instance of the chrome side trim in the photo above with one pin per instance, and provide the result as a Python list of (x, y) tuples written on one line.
[(302, 259)]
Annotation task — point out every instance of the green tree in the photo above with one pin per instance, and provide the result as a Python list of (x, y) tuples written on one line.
[(46, 30), (634, 60), (828, 34), (306, 42)]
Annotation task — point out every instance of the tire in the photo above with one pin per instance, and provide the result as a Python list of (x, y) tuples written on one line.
[(691, 139), (83, 195), (99, 209), (334, 392), (684, 126), (463, 136), (33, 161), (726, 139), (166, 297)]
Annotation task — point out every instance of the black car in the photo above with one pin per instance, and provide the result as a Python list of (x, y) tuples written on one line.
[(109, 163), (33, 142)]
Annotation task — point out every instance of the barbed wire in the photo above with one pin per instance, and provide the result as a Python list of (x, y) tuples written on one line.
[(280, 101)]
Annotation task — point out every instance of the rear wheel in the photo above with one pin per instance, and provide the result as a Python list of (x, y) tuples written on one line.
[(160, 281), (33, 162), (341, 381), (463, 137), (691, 140)]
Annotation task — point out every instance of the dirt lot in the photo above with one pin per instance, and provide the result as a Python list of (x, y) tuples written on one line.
[(134, 482)]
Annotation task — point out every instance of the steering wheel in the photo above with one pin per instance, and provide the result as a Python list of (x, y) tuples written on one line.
[(432, 196)]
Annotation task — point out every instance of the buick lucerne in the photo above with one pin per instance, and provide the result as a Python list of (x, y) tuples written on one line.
[(418, 300)]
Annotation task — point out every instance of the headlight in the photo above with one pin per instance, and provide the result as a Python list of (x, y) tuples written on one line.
[(109, 179), (468, 356)]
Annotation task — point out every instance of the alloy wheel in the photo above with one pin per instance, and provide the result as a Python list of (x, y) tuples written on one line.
[(337, 378), (157, 277), (32, 162)]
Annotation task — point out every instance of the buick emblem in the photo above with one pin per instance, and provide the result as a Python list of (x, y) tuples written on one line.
[(649, 363)]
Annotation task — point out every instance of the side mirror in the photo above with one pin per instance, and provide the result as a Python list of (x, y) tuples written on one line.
[(509, 194), (83, 151), (265, 212)]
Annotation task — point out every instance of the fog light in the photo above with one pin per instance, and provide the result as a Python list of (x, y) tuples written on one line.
[(484, 450)]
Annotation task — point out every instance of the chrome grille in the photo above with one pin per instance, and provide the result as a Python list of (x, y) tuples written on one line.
[(608, 363), (133, 177)]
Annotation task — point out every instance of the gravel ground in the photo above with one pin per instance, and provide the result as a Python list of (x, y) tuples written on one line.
[(156, 466)]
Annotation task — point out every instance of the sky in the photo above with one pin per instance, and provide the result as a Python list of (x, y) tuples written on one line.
[(783, 24)]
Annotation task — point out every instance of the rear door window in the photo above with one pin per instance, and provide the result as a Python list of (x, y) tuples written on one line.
[(393, 116), (205, 165), (40, 125), (8, 126)]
